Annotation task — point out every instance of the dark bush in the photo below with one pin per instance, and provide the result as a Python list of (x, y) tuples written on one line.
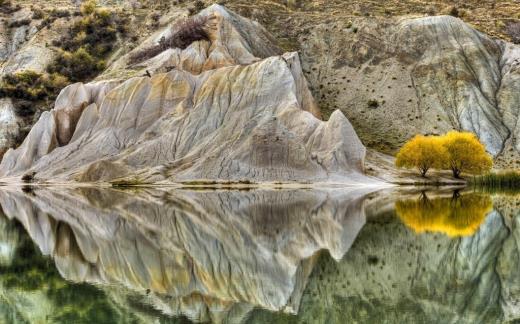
[(196, 7), (513, 30), (199, 5), (7, 7), (19, 23), (46, 22), (37, 14), (24, 108), (53, 15), (183, 34), (28, 177), (373, 103), (454, 11), (59, 13)]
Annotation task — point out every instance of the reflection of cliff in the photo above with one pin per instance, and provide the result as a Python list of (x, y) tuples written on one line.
[(459, 215), (393, 275), (8, 240), (210, 255), (32, 290)]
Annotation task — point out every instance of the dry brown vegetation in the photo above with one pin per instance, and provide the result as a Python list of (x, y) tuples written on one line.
[(182, 35)]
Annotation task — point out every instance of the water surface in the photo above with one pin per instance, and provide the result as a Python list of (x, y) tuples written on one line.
[(91, 255)]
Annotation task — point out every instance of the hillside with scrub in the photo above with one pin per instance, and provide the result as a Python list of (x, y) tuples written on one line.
[(394, 69)]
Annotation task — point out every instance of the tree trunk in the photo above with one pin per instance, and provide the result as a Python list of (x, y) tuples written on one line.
[(456, 173)]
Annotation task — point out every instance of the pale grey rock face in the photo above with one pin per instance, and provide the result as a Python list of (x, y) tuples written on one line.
[(459, 72), (26, 47), (248, 120), (429, 75), (9, 125), (234, 40), (210, 255), (12, 38), (73, 100)]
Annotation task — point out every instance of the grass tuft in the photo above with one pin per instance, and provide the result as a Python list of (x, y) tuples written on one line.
[(503, 181)]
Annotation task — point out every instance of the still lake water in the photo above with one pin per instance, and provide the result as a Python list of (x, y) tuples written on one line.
[(337, 255)]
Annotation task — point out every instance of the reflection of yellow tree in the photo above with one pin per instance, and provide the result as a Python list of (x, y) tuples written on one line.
[(456, 216)]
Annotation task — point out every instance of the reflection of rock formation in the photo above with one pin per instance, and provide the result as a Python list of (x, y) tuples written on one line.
[(207, 254), (458, 215), (8, 242), (394, 275)]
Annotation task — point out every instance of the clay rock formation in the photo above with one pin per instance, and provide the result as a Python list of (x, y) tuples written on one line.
[(233, 40), (24, 43), (206, 254), (9, 125), (423, 75), (23, 46), (251, 119)]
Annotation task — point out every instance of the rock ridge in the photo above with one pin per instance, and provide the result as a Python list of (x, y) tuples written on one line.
[(247, 119)]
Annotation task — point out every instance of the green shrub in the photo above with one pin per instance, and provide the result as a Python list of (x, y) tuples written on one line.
[(31, 85), (88, 7), (89, 41), (77, 66), (95, 32), (59, 13), (81, 57)]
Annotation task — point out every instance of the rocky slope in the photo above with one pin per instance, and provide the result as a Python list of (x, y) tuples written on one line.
[(230, 109), (408, 76), (392, 77), (209, 255)]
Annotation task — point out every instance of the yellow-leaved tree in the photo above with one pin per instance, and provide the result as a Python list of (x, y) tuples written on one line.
[(465, 153), (456, 151), (423, 153)]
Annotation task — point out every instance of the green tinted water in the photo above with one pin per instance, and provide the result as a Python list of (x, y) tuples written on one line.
[(286, 256)]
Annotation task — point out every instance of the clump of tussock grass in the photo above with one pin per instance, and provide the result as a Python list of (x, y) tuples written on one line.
[(501, 181)]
